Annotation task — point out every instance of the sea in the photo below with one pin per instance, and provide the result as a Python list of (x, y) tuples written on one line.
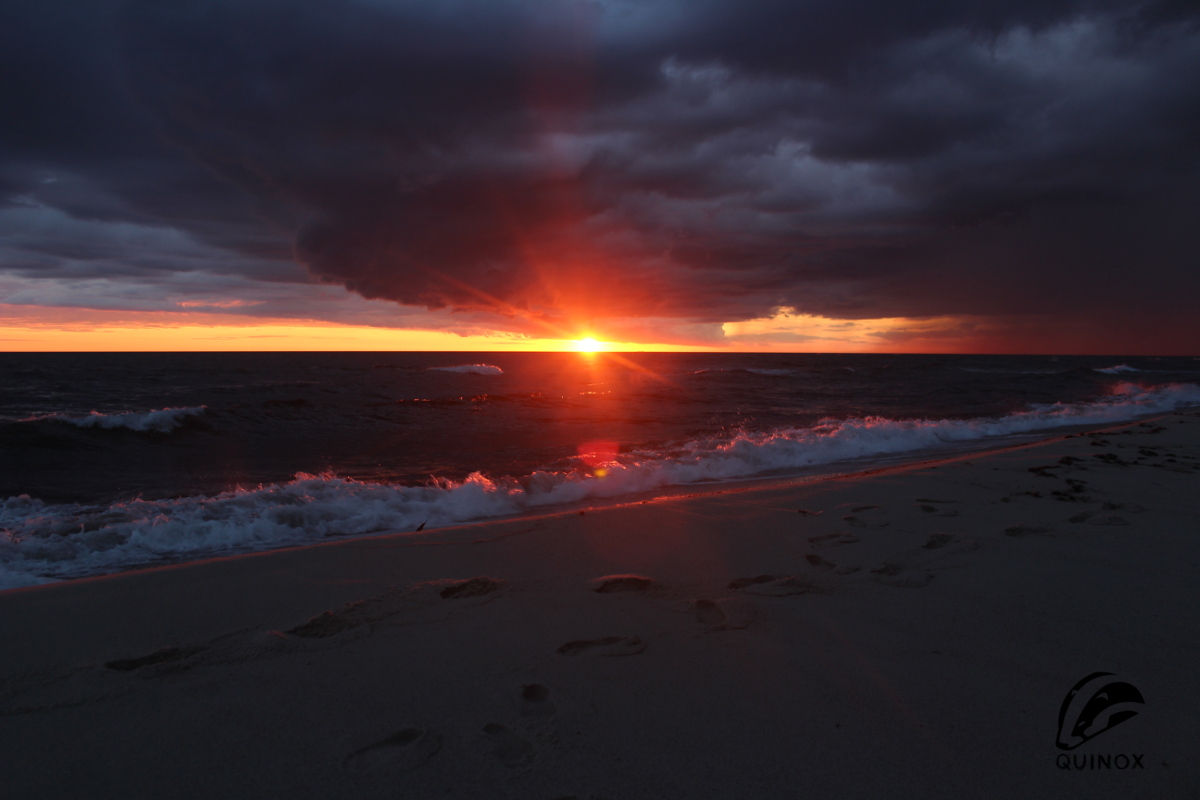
[(120, 461)]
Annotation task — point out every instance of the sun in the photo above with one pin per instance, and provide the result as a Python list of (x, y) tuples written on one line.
[(589, 345)]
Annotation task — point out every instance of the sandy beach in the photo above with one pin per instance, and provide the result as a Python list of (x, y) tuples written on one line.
[(910, 632)]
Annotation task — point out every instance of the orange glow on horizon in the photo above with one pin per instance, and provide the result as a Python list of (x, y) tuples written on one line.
[(62, 329), (78, 330)]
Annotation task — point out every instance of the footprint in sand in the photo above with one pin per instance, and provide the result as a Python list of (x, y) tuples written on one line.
[(607, 646), (610, 584), (1132, 508), (535, 701), (891, 574), (825, 564), (722, 615), (1025, 530), (329, 623), (511, 749), (832, 539), (773, 585), (163, 655), (1107, 519), (472, 587), (404, 750)]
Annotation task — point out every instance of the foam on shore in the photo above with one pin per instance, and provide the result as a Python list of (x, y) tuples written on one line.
[(40, 542)]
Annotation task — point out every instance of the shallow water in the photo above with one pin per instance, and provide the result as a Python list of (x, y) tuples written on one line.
[(110, 461)]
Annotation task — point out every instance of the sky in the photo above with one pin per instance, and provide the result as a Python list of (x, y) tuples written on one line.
[(745, 175)]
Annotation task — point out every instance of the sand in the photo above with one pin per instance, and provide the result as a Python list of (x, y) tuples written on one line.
[(906, 633)]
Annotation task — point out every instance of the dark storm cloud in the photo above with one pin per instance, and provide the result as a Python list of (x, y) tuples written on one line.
[(572, 161)]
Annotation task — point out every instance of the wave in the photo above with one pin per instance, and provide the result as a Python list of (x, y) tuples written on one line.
[(163, 420), (745, 369), (1118, 369), (41, 542), (474, 369), (1013, 371)]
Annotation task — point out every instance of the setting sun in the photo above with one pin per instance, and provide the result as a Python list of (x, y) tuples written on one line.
[(589, 345)]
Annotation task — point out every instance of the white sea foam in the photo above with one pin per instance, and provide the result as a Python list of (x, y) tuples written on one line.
[(163, 420), (40, 542), (474, 369), (1118, 369)]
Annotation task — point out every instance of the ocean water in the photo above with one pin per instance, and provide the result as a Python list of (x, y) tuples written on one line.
[(111, 462)]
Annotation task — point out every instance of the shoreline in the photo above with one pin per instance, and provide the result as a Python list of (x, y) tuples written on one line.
[(891, 633), (863, 467)]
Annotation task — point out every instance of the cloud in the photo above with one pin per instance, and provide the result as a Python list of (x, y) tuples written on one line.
[(623, 166)]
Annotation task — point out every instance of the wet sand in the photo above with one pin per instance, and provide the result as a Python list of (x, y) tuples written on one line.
[(911, 632)]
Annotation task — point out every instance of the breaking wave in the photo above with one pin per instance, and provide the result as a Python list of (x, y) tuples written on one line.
[(1118, 369), (163, 420), (41, 542)]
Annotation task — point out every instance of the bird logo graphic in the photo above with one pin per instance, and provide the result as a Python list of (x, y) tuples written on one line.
[(1096, 704)]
